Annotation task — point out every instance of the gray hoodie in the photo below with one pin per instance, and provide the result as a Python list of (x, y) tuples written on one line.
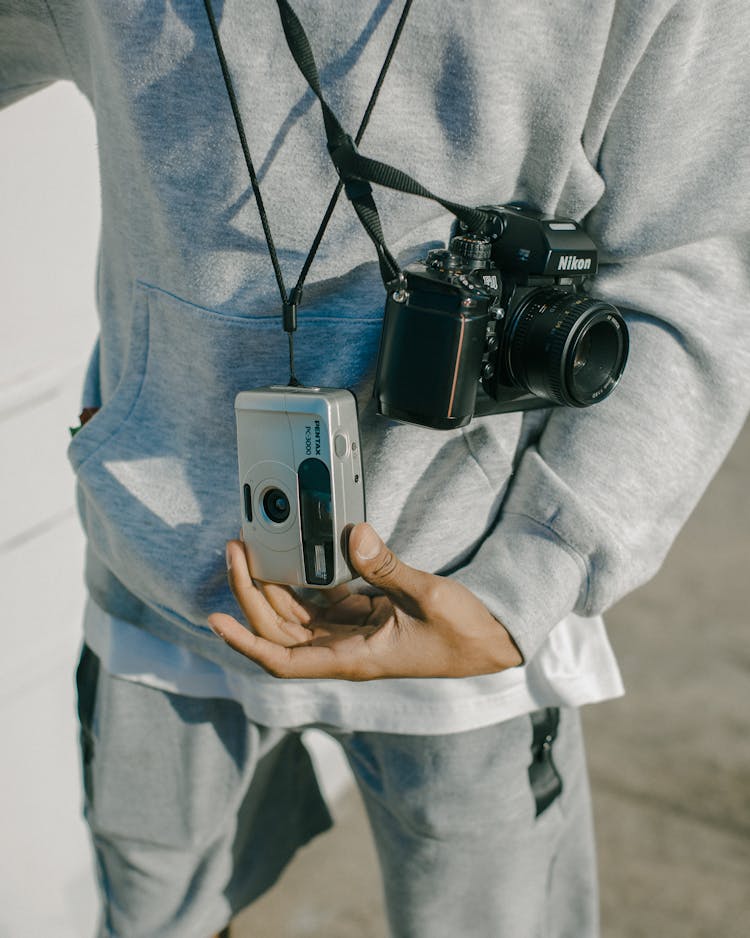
[(631, 116)]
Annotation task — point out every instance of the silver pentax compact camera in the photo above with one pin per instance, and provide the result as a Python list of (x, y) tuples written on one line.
[(301, 483)]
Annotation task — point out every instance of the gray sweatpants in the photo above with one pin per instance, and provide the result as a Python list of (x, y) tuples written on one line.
[(195, 810)]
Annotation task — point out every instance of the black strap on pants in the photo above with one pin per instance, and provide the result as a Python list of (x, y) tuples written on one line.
[(545, 780)]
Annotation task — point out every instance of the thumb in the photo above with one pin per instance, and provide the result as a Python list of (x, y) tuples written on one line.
[(377, 564)]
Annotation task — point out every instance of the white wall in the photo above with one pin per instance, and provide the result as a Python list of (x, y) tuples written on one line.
[(49, 207)]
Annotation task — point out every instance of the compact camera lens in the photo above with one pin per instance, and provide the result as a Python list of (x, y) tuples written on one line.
[(566, 347), (276, 505)]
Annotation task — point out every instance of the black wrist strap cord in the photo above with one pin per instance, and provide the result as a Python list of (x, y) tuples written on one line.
[(290, 302)]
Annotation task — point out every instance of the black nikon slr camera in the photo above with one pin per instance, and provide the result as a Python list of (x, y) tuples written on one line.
[(499, 322)]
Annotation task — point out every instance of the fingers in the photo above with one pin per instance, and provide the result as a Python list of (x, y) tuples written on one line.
[(346, 660), (273, 612), (285, 602), (381, 613), (266, 653), (382, 568)]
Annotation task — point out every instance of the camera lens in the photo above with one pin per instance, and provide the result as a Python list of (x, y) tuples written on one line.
[(595, 357), (276, 505), (566, 347)]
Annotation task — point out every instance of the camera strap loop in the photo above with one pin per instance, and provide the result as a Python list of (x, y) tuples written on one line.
[(361, 194)]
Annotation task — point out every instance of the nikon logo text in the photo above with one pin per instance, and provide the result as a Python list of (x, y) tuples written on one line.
[(571, 262)]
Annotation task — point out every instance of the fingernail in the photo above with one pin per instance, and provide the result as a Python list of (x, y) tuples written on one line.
[(229, 558), (369, 544)]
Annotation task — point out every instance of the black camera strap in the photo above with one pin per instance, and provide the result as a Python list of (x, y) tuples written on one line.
[(358, 171), (389, 267)]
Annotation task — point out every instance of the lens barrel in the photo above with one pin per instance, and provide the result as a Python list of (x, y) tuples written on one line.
[(566, 347)]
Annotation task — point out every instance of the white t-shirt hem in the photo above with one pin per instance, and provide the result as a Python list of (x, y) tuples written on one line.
[(575, 667)]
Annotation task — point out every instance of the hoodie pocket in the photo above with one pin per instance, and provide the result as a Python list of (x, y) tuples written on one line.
[(157, 466)]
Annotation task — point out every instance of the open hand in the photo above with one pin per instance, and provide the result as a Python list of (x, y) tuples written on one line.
[(421, 626)]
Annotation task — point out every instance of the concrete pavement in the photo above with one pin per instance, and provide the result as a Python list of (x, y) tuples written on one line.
[(670, 763)]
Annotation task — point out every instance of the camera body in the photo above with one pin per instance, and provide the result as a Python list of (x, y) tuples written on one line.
[(301, 482), (499, 322)]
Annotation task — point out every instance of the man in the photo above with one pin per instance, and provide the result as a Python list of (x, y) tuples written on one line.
[(493, 550)]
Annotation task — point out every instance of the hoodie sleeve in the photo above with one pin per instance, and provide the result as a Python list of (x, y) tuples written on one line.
[(32, 55), (596, 503)]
